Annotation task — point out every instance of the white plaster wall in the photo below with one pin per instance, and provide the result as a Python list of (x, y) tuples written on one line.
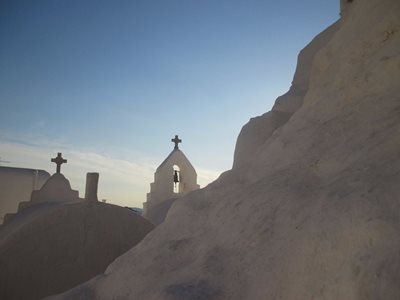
[(345, 6), (16, 185)]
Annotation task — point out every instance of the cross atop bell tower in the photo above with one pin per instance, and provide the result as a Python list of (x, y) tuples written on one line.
[(176, 140), (58, 161)]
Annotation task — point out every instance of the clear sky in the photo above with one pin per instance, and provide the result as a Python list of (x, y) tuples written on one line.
[(109, 83)]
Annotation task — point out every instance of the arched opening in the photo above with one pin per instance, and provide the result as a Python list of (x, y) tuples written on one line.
[(176, 176)]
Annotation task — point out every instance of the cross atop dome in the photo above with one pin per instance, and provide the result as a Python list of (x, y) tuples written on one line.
[(58, 161), (176, 140)]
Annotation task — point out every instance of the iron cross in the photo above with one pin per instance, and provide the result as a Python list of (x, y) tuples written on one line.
[(176, 140), (58, 161)]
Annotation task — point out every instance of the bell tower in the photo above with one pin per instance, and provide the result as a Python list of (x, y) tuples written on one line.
[(174, 178)]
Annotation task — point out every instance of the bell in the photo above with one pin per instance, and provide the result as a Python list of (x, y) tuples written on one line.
[(176, 177)]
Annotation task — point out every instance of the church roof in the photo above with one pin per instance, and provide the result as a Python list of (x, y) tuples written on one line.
[(170, 155)]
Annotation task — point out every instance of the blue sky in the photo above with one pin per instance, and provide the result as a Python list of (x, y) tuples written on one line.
[(109, 83)]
